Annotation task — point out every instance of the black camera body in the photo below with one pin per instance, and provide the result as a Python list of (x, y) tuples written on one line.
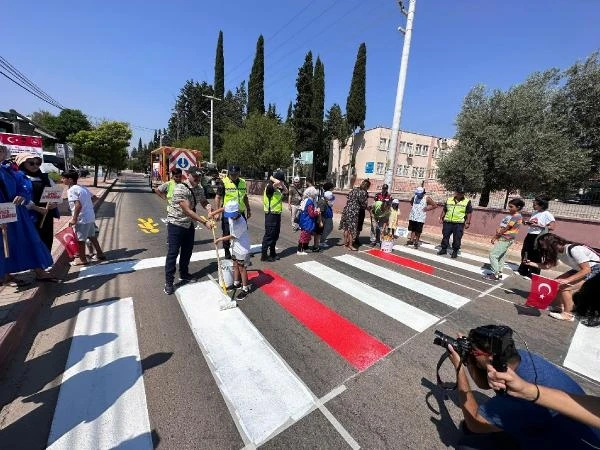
[(497, 339)]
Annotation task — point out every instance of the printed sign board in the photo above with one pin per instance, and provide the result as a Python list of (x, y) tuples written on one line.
[(8, 212), (52, 194), (181, 159), (20, 143), (370, 167)]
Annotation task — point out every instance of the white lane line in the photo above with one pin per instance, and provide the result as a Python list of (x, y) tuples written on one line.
[(262, 392), (102, 400), (149, 263), (433, 292), (444, 260), (584, 352), (405, 313), (493, 288), (472, 257)]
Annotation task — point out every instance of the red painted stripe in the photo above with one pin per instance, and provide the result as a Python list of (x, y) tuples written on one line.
[(358, 347), (416, 265)]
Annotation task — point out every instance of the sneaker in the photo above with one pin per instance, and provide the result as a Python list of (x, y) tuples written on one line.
[(315, 249), (264, 257), (169, 289), (243, 293), (442, 251), (416, 245), (324, 245), (409, 242), (234, 286), (274, 258), (562, 316), (491, 277), (301, 252), (454, 254), (188, 278)]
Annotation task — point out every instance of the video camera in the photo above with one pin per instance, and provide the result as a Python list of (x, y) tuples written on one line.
[(494, 339)]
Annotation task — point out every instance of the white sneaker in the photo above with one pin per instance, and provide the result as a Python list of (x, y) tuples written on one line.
[(301, 253), (324, 245)]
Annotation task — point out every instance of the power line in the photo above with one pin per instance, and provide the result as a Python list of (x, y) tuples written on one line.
[(28, 90)]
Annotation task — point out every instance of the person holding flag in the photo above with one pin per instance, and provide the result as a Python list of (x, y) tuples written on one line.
[(585, 266)]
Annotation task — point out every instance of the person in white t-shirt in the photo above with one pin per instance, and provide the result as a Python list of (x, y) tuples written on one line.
[(541, 220), (83, 218), (583, 261), (240, 248)]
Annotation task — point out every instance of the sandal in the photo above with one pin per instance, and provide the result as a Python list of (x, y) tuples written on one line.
[(79, 263), (15, 282), (562, 316), (352, 249)]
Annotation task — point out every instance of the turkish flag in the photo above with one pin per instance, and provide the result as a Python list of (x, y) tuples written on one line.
[(543, 291)]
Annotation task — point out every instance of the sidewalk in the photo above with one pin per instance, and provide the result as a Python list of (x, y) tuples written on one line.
[(19, 306)]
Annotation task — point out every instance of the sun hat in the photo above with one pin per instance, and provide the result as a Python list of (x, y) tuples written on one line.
[(296, 179), (231, 209), (329, 196), (395, 201), (419, 190), (22, 157)]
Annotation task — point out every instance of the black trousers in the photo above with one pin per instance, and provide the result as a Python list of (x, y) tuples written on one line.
[(180, 242), (272, 228), (454, 229), (225, 230), (528, 250)]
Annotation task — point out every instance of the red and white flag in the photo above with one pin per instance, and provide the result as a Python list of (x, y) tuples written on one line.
[(543, 291), (20, 143)]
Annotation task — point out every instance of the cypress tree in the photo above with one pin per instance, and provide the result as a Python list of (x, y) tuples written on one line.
[(290, 115), (140, 147), (155, 140), (220, 68), (356, 106), (318, 109), (256, 83), (302, 121)]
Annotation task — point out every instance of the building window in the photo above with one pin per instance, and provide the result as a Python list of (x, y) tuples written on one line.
[(383, 144), (434, 152), (405, 171), (399, 171), (421, 172), (380, 167), (418, 149), (409, 148), (432, 174), (425, 150), (402, 147), (415, 172)]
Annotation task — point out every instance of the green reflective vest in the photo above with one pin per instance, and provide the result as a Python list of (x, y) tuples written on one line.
[(171, 189), (456, 212), (236, 193), (273, 204)]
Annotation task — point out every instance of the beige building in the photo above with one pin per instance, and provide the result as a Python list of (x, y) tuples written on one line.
[(416, 159)]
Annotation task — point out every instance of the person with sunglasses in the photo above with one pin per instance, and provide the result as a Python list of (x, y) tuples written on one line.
[(505, 421), (29, 164)]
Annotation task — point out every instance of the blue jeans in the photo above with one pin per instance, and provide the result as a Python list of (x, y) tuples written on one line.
[(180, 242)]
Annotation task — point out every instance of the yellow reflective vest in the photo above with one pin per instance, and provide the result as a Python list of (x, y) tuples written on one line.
[(273, 204), (171, 189), (233, 192), (456, 212)]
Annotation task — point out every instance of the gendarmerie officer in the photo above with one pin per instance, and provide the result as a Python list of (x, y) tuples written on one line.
[(273, 207)]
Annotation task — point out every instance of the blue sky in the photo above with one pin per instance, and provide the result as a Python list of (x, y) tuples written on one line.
[(127, 60)]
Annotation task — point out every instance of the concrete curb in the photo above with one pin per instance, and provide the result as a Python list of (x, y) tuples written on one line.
[(25, 313)]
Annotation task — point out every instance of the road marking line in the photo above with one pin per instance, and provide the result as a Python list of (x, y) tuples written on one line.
[(405, 313), (405, 262), (351, 342), (472, 257), (426, 289), (102, 400), (584, 352), (443, 260), (261, 391), (493, 288), (133, 265)]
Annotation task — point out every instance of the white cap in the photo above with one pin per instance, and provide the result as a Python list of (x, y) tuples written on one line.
[(419, 190), (329, 196), (296, 179), (231, 209), (395, 201)]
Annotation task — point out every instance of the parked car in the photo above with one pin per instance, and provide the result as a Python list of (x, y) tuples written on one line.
[(587, 196), (82, 171)]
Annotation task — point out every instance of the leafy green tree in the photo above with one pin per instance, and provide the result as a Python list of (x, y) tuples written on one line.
[(356, 105), (272, 112), (304, 126), (195, 143), (68, 122), (577, 103), (262, 143), (337, 128), (187, 118), (256, 82), (320, 155), (104, 145), (219, 68)]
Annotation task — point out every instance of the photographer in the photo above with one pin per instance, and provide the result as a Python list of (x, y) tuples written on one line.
[(509, 422)]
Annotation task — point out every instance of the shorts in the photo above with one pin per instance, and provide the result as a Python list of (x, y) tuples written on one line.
[(241, 258), (594, 272), (415, 226), (85, 230)]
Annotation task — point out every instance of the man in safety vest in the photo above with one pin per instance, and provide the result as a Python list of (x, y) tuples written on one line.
[(165, 190), (231, 188), (273, 207), (456, 216)]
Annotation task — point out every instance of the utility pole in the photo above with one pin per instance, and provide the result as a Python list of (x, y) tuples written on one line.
[(391, 153), (212, 99)]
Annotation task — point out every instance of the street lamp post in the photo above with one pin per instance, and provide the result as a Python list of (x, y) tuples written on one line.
[(391, 153), (212, 98)]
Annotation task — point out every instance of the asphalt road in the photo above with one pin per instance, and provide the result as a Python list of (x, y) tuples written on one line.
[(390, 402)]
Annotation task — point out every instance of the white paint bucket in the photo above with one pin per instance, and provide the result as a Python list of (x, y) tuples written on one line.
[(227, 271), (387, 246)]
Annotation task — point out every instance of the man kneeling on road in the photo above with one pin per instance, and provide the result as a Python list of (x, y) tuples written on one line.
[(181, 215), (506, 422)]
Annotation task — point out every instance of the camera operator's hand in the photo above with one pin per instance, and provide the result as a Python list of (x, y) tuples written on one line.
[(454, 357), (511, 382)]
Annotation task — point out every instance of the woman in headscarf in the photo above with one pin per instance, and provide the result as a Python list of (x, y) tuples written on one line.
[(29, 164), (357, 202), (308, 217), (26, 250)]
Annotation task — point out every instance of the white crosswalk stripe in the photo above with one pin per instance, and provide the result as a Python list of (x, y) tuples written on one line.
[(395, 308), (584, 352), (472, 257)]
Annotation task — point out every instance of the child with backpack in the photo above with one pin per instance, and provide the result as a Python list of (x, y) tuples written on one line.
[(504, 238), (308, 219)]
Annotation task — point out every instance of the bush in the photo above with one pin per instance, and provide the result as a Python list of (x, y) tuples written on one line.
[(54, 176)]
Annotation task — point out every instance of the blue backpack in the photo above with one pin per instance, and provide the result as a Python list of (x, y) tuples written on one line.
[(306, 222), (328, 212)]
